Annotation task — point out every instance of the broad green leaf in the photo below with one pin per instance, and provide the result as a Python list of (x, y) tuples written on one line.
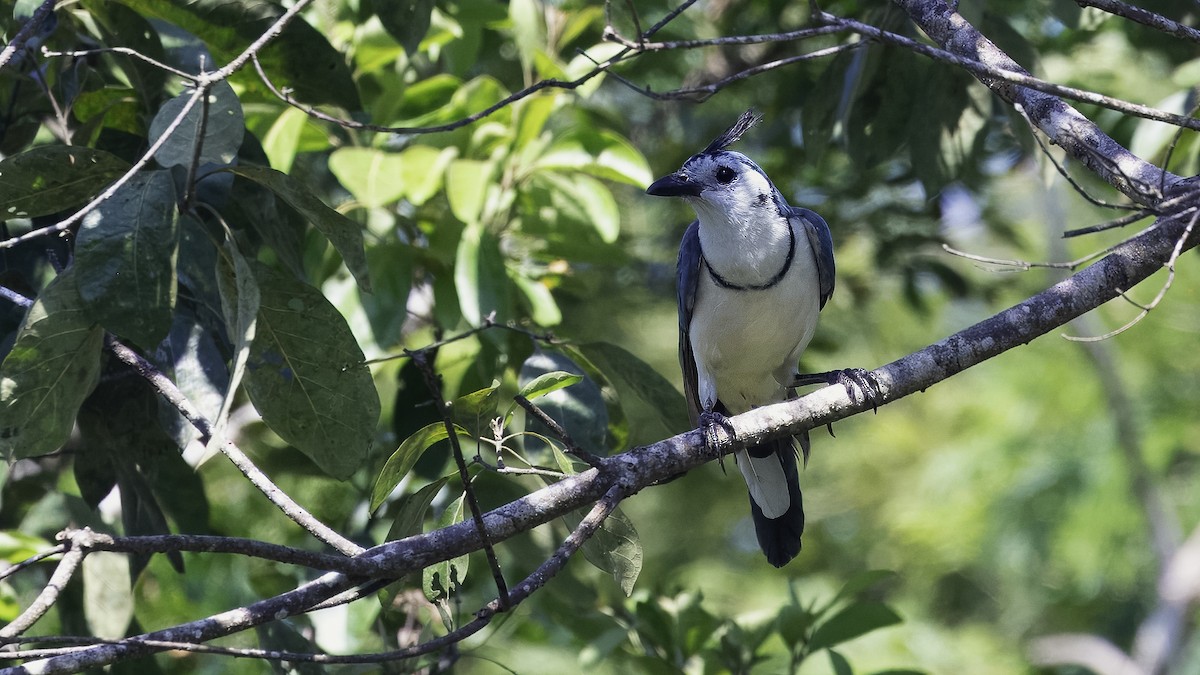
[(405, 20), (839, 664), (856, 585), (476, 409), (16, 546), (307, 378), (547, 382), (411, 509), (585, 200), (479, 276), (443, 579), (579, 409), (343, 233), (119, 25), (125, 259), (221, 122), (53, 366), (635, 379), (107, 594), (543, 308), (600, 153), (240, 302), (282, 140), (529, 29), (372, 175), (793, 622), (53, 178), (467, 183), (300, 58), (615, 434), (856, 619), (615, 548), (422, 173), (403, 459)]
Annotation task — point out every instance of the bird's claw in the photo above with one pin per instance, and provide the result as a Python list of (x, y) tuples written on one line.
[(710, 421), (861, 385)]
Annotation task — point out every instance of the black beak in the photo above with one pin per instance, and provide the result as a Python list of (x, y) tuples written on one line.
[(674, 185)]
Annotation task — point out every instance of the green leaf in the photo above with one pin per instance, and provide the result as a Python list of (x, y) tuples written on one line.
[(52, 178), (222, 123), (307, 378), (240, 302), (856, 585), (793, 622), (839, 664), (370, 174), (422, 173), (299, 58), (580, 409), (856, 619), (634, 379), (547, 382), (615, 548), (585, 200), (343, 233), (479, 276), (543, 307), (51, 369), (467, 183), (411, 509), (125, 259), (443, 579), (529, 29), (476, 409), (405, 20), (600, 153), (282, 140), (107, 594), (402, 461)]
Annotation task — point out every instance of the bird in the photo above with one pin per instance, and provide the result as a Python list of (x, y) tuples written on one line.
[(753, 275)]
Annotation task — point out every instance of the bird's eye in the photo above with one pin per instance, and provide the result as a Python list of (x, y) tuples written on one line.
[(725, 175)]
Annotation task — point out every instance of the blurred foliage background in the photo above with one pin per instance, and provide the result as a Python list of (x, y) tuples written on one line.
[(1003, 502)]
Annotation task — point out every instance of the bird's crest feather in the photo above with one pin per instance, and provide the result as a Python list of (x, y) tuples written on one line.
[(743, 124)]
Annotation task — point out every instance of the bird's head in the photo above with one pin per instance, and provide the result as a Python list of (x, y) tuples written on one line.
[(720, 181)]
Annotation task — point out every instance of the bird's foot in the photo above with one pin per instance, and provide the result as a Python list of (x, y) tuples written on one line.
[(710, 422), (861, 385)]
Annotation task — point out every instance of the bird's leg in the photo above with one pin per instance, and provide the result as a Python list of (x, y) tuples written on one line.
[(710, 419), (861, 385)]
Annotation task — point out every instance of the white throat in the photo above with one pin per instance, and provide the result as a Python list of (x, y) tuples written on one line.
[(745, 247)]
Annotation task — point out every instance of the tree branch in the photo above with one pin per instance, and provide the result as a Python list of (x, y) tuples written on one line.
[(1137, 179)]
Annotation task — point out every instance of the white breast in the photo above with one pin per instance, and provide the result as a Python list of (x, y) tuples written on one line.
[(747, 342)]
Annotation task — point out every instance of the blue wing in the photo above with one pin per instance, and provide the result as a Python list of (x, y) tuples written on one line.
[(687, 279), (821, 241)]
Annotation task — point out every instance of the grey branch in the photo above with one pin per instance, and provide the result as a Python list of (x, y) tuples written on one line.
[(1137, 179), (1127, 265)]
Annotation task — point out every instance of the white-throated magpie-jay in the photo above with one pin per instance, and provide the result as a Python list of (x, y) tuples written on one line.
[(754, 272)]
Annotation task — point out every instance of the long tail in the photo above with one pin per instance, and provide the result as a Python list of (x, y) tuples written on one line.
[(773, 478)]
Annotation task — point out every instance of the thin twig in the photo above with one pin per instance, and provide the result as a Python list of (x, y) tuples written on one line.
[(1021, 78), (611, 34), (703, 93), (64, 225), (1144, 17), (126, 51), (1108, 225), (78, 548), (553, 425), (1162, 291), (521, 591), (420, 359), (171, 394), (31, 560), (1062, 170)]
